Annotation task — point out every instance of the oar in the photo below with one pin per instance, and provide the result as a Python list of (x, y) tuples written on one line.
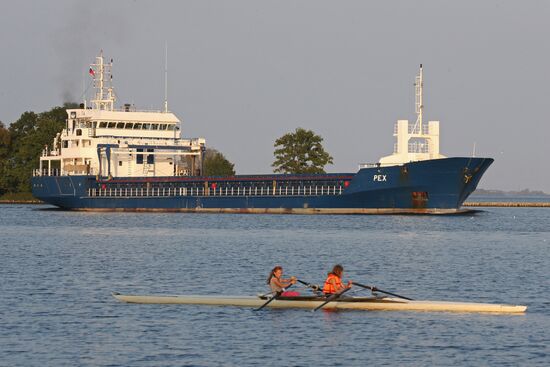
[(332, 298), (374, 289), (314, 287), (277, 295)]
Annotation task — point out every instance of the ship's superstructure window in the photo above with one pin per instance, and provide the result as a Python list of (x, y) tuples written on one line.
[(139, 157), (150, 157), (130, 125)]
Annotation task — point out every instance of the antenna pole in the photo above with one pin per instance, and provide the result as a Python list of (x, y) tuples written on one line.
[(166, 76), (419, 83)]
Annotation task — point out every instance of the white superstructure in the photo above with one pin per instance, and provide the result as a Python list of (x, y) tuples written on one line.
[(107, 142), (416, 141)]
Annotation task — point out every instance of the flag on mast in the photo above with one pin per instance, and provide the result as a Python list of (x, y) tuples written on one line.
[(92, 72)]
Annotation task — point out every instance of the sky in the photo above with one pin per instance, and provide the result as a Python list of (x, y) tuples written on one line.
[(243, 73)]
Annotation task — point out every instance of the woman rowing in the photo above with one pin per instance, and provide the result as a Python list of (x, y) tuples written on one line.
[(334, 283), (278, 284)]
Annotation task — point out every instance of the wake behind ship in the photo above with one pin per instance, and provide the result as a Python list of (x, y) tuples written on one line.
[(128, 160)]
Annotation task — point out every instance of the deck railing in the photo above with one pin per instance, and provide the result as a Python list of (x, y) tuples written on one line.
[(218, 191), (59, 172)]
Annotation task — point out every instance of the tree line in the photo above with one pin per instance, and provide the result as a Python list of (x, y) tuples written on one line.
[(22, 142)]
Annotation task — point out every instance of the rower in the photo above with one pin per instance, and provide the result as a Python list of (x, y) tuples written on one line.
[(333, 283), (278, 284)]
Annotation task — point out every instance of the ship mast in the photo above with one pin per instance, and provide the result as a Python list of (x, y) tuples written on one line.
[(103, 78), (418, 84), (166, 76)]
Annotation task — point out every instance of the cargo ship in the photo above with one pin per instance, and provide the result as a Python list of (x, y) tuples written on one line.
[(124, 159)]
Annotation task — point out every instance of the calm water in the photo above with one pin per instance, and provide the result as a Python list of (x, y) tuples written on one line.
[(59, 268)]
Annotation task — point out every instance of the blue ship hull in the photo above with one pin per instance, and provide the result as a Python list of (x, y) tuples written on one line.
[(437, 186)]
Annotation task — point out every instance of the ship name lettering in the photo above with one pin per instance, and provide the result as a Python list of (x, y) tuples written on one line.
[(379, 178)]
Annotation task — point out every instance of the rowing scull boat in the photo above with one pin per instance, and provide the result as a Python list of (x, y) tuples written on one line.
[(308, 302)]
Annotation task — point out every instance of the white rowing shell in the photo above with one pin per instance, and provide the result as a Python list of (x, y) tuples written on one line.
[(384, 304)]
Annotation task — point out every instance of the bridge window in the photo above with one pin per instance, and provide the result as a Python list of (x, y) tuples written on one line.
[(103, 124), (162, 127), (120, 125), (129, 125), (154, 126), (150, 157), (139, 157), (137, 126), (111, 125)]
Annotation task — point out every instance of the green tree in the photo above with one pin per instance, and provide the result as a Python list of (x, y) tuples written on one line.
[(300, 152), (4, 156), (28, 136), (215, 164)]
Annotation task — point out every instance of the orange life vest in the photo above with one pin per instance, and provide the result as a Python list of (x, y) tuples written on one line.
[(328, 288)]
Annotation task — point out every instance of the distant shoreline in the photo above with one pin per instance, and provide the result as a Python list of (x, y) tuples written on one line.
[(507, 204), (36, 201), (501, 193)]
